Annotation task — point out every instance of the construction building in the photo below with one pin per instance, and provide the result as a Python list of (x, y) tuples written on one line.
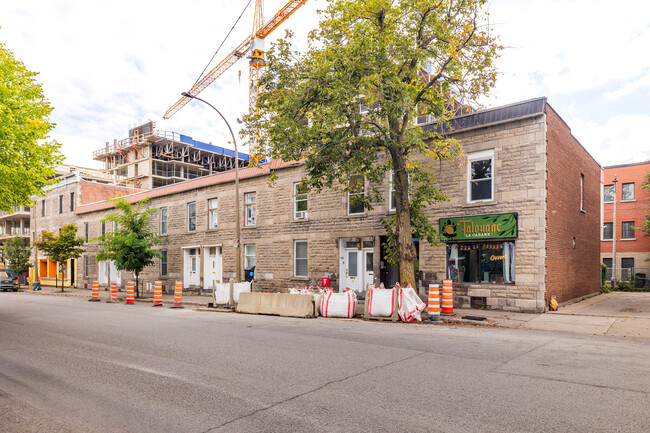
[(150, 158)]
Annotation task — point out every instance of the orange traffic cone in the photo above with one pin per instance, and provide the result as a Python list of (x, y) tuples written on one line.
[(178, 295), (157, 294), (447, 298), (130, 292), (95, 294), (434, 303), (113, 297)]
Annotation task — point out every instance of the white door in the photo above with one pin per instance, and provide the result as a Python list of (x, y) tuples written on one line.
[(102, 272), (191, 275), (356, 267), (115, 274), (212, 267)]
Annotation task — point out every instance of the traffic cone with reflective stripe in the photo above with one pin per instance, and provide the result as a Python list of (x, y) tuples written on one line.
[(157, 294), (95, 294), (447, 298), (434, 303), (130, 292), (178, 295), (113, 297)]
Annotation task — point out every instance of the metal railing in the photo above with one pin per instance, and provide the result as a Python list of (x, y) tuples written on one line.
[(640, 273)]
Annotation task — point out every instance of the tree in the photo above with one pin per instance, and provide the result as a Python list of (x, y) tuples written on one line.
[(348, 106), (130, 246), (62, 247), (646, 224), (27, 162), (16, 254)]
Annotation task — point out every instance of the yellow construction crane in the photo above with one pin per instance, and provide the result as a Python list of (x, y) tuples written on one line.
[(254, 44)]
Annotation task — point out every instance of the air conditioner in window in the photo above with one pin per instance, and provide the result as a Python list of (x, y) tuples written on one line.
[(424, 119), (301, 215)]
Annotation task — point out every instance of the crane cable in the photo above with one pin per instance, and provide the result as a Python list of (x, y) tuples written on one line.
[(224, 40)]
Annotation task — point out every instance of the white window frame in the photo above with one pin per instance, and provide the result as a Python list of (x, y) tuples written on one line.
[(248, 256), (582, 192), (86, 237), (610, 201), (102, 228), (363, 193), (163, 220), (250, 209), (631, 223), (479, 156), (602, 234), (164, 262), (296, 258), (191, 219), (72, 203), (213, 217), (302, 214), (623, 192), (85, 266)]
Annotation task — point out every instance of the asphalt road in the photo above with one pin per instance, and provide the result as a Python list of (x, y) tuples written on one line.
[(69, 365)]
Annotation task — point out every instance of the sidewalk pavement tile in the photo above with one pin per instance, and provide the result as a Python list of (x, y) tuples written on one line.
[(568, 323)]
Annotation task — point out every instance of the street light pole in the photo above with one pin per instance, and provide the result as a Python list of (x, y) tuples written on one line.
[(615, 181), (237, 241)]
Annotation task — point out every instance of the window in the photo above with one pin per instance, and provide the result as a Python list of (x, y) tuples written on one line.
[(102, 228), (628, 263), (249, 256), (300, 259), (85, 266), (480, 175), (484, 262), (72, 202), (628, 230), (213, 205), (115, 226), (43, 208), (163, 220), (608, 262), (582, 192), (299, 201), (163, 263), (356, 194), (60, 204), (250, 210), (391, 192), (628, 191), (608, 231), (191, 217), (608, 193), (86, 232)]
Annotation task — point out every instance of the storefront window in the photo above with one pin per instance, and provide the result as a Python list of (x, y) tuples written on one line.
[(481, 262)]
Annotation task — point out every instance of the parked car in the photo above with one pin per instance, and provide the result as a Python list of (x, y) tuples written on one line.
[(7, 283)]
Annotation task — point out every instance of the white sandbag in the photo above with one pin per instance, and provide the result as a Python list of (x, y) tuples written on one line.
[(410, 305), (339, 304), (381, 302), (240, 288), (222, 292)]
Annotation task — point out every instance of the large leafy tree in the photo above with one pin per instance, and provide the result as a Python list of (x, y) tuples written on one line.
[(27, 162), (130, 246), (16, 254), (646, 224), (348, 106), (62, 246)]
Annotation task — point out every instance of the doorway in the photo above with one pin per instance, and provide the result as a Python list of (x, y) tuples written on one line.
[(212, 267), (356, 263), (191, 275)]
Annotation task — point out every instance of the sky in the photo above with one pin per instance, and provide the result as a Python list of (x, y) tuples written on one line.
[(109, 66)]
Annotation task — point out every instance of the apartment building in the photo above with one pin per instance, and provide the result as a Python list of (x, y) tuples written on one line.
[(632, 247)]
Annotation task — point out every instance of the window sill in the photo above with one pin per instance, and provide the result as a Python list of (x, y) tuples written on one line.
[(300, 220), (606, 240), (628, 201), (250, 227), (627, 239), (480, 203), (583, 211), (357, 215)]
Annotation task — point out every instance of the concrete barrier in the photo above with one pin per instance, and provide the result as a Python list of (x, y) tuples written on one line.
[(277, 304)]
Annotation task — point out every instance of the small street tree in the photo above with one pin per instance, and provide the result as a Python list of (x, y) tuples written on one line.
[(27, 163), (62, 247), (347, 108), (646, 223), (130, 246), (16, 254)]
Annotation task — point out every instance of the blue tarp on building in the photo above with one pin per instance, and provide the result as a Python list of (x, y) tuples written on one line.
[(212, 148)]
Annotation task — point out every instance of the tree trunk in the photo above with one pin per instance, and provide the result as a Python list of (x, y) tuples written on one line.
[(403, 231), (137, 285)]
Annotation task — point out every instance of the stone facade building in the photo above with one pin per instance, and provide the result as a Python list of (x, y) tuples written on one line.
[(521, 223)]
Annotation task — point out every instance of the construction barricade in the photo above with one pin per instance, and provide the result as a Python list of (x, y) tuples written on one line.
[(94, 297), (178, 295), (342, 305), (113, 296), (434, 303), (130, 293), (157, 294), (447, 298)]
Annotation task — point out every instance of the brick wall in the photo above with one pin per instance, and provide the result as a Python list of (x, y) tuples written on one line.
[(572, 270)]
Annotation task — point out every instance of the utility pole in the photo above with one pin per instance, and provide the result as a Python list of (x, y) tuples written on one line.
[(614, 235)]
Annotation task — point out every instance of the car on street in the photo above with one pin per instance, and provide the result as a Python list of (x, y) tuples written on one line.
[(7, 282)]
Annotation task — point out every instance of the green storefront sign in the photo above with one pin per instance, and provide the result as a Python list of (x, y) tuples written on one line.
[(502, 226)]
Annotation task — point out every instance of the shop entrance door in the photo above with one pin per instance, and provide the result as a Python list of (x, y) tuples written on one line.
[(191, 276), (212, 267), (356, 264)]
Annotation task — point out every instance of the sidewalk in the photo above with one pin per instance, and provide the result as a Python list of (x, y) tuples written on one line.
[(619, 314)]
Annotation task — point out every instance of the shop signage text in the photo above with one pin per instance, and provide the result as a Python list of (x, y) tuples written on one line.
[(502, 226)]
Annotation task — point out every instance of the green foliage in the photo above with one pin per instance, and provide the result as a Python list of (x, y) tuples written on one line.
[(645, 228), (603, 277), (348, 106), (27, 163), (631, 284), (130, 247), (63, 246), (16, 254)]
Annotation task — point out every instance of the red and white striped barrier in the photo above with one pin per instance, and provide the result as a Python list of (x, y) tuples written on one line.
[(447, 298), (434, 303), (94, 297), (157, 294)]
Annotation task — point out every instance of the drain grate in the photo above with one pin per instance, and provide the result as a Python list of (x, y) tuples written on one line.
[(477, 318)]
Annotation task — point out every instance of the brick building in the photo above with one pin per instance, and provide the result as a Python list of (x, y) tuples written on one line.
[(632, 247), (521, 223)]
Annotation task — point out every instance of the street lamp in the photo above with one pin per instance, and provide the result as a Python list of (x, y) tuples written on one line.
[(237, 240), (615, 181)]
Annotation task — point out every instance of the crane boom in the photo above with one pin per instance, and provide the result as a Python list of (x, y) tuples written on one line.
[(280, 17)]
